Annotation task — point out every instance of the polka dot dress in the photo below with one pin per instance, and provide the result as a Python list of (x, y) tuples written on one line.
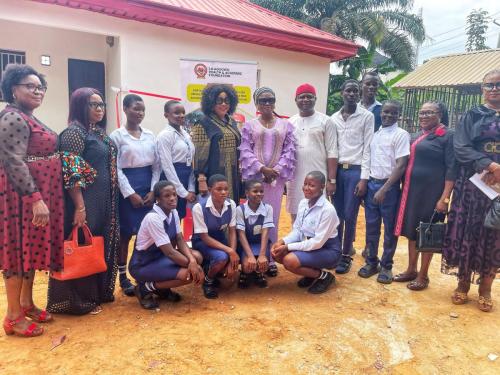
[(24, 247)]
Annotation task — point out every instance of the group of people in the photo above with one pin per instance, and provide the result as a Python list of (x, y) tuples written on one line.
[(133, 183)]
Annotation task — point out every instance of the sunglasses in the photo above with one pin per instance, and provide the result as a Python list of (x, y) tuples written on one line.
[(222, 101), (95, 105), (490, 86), (266, 101), (32, 87)]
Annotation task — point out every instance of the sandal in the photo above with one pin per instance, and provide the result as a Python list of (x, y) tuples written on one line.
[(272, 271), (416, 285), (459, 298), (37, 315), (9, 326), (485, 303), (244, 280), (209, 291), (96, 310), (404, 277), (260, 280), (168, 295)]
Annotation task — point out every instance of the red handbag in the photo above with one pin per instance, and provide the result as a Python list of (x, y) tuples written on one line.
[(82, 260)]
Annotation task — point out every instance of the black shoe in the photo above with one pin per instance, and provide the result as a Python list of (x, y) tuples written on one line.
[(244, 281), (209, 290), (168, 295), (344, 265), (368, 270), (272, 271), (145, 297), (322, 285), (305, 282), (260, 280), (127, 287)]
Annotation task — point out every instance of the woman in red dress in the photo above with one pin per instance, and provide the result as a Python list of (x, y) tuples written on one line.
[(31, 200)]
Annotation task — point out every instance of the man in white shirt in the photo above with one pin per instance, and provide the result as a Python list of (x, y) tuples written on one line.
[(354, 126), (316, 146), (390, 150)]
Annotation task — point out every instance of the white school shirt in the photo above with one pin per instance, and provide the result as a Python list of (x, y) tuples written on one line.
[(152, 230), (316, 142), (373, 105), (175, 147), (199, 219), (265, 210), (388, 144), (135, 153), (354, 138), (319, 223)]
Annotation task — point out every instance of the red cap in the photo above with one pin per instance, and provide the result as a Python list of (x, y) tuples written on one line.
[(306, 87)]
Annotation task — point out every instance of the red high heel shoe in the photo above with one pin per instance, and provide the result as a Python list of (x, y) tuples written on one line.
[(36, 314), (9, 326)]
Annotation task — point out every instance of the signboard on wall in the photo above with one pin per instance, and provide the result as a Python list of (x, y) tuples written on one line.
[(196, 74)]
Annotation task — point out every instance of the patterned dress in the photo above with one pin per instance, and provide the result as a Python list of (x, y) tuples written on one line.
[(85, 151), (470, 248), (30, 170), (216, 145), (273, 148)]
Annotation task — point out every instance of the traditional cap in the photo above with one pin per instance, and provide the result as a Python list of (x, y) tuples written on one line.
[(306, 87)]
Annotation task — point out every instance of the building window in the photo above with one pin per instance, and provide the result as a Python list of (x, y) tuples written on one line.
[(10, 57)]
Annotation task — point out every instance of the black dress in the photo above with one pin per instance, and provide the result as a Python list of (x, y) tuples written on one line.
[(83, 148), (432, 162)]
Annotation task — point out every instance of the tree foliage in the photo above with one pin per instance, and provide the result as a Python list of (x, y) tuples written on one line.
[(386, 25), (477, 25)]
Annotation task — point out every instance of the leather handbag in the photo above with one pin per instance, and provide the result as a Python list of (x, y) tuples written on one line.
[(492, 219), (430, 236), (81, 260)]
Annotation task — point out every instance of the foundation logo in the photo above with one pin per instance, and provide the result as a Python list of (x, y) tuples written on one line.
[(200, 70)]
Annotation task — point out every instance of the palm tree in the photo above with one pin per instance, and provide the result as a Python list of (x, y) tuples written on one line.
[(386, 25)]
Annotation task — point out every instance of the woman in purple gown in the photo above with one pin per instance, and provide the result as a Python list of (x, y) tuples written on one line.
[(267, 153)]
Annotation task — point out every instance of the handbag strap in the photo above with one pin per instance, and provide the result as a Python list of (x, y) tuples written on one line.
[(86, 233)]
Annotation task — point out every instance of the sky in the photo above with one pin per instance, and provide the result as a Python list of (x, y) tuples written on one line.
[(445, 22)]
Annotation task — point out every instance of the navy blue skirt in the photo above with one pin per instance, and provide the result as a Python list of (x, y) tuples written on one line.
[(152, 265), (183, 173), (130, 217), (326, 257)]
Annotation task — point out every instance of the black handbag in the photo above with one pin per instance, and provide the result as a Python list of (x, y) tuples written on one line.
[(492, 219), (430, 236)]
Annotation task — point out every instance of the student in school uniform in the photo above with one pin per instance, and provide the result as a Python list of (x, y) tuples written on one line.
[(161, 259), (212, 219), (138, 172), (313, 244), (254, 219), (176, 152), (390, 150)]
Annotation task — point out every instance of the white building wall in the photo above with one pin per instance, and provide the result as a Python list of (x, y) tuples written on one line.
[(149, 56)]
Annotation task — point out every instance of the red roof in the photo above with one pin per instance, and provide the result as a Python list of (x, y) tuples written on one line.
[(233, 19)]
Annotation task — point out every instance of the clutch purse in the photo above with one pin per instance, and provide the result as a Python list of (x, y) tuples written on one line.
[(430, 236), (492, 219), (81, 260)]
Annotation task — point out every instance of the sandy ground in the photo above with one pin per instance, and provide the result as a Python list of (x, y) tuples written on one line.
[(359, 326)]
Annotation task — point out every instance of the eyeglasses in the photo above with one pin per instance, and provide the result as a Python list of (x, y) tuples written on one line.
[(222, 101), (427, 113), (32, 87), (489, 86), (266, 101), (95, 105)]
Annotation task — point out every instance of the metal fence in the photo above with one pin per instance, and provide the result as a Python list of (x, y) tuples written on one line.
[(458, 99)]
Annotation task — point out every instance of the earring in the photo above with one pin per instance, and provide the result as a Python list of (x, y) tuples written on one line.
[(15, 98)]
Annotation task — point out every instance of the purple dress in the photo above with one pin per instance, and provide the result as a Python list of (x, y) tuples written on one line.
[(273, 148), (471, 249)]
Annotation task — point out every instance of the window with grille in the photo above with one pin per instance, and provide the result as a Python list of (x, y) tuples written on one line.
[(10, 57)]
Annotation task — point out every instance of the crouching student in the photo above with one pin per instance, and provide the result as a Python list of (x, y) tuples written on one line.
[(390, 149), (161, 259), (253, 220), (313, 244), (211, 220)]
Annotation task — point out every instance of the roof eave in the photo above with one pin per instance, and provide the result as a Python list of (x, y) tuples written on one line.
[(187, 20)]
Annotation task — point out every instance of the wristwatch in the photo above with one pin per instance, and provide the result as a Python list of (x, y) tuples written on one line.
[(332, 180)]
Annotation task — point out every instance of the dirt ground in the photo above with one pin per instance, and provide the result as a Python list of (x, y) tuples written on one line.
[(360, 326)]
